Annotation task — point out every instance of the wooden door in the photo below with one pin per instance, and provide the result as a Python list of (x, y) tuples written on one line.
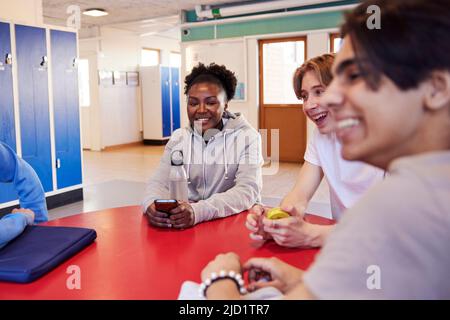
[(279, 107)]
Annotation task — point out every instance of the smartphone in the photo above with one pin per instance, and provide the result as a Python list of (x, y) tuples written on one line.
[(165, 205), (258, 275)]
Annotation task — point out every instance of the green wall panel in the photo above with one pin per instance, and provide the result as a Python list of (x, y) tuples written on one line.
[(287, 24), (315, 21), (190, 15)]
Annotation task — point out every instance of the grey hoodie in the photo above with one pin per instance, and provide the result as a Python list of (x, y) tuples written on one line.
[(224, 175)]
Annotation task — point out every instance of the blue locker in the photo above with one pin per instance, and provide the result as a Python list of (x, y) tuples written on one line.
[(33, 101), (7, 125), (7, 129), (165, 92), (175, 76), (66, 108)]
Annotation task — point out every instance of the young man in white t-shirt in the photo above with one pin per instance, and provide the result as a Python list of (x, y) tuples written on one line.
[(347, 181)]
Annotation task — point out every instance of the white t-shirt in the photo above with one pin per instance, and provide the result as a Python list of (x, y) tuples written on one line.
[(347, 180)]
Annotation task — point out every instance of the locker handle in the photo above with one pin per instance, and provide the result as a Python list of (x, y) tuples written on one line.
[(58, 163), (44, 61), (8, 58), (75, 63)]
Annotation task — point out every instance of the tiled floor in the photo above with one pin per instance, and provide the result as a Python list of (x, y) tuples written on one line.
[(117, 178)]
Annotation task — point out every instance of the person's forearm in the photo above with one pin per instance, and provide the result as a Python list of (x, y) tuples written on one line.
[(295, 198), (155, 189), (30, 191), (224, 289), (26, 182), (308, 181), (235, 200), (318, 234), (11, 226)]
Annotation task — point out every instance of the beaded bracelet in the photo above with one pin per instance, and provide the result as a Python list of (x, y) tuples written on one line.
[(232, 275)]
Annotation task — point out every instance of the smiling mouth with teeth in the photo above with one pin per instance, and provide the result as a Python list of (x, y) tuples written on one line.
[(347, 123), (319, 117), (202, 119)]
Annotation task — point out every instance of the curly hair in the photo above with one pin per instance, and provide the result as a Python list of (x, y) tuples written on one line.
[(213, 73)]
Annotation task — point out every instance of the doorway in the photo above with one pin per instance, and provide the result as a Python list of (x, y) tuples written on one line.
[(89, 101), (279, 107)]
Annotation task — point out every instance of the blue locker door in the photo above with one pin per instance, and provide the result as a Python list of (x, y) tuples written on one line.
[(66, 108), (7, 129), (165, 95), (175, 75), (33, 101), (7, 126)]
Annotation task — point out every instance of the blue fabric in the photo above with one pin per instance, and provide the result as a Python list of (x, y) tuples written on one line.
[(11, 226), (30, 191), (39, 249)]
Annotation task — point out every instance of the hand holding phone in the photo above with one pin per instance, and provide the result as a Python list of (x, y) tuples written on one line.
[(258, 275), (165, 205)]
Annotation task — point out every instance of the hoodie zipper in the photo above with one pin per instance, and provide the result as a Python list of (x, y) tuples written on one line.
[(203, 166)]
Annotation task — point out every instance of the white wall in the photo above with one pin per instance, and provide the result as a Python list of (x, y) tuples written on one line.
[(120, 105), (165, 45), (119, 117), (119, 48), (22, 11)]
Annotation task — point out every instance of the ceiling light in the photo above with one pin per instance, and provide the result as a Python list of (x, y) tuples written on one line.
[(95, 12)]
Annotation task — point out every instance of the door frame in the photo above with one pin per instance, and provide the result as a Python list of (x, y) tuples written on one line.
[(261, 43), (333, 36), (90, 117)]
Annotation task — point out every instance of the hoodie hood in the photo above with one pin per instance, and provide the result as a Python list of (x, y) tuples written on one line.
[(233, 123)]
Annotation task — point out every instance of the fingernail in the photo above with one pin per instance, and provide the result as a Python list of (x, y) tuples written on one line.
[(256, 236)]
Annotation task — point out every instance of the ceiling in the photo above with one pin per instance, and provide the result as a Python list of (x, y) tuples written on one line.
[(122, 11)]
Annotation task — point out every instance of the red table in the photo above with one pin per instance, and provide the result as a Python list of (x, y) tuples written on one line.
[(130, 260)]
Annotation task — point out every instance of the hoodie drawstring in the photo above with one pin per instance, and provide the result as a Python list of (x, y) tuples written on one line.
[(189, 157), (224, 154)]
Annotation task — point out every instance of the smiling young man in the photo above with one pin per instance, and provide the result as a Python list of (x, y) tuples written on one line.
[(222, 155), (391, 98)]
